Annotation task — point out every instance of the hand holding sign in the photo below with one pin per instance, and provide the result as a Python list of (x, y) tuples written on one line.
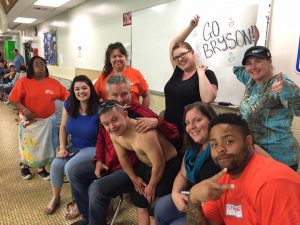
[(276, 87), (209, 189), (194, 22), (255, 33), (201, 70)]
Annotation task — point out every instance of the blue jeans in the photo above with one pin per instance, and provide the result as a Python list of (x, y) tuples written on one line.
[(102, 190), (166, 213), (61, 165), (81, 176)]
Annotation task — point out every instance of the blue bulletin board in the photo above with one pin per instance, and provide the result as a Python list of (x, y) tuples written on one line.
[(50, 47), (298, 59)]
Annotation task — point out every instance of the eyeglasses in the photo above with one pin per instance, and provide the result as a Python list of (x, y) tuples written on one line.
[(181, 56), (107, 105)]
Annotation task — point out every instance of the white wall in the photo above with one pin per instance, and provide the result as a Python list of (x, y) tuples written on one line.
[(92, 25), (284, 36), (283, 43)]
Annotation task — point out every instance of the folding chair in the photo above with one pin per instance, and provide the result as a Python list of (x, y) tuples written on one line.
[(117, 209)]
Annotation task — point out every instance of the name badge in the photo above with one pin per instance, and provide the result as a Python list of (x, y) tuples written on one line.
[(234, 210)]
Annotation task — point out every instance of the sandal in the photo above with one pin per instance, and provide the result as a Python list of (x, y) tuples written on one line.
[(52, 207), (72, 211)]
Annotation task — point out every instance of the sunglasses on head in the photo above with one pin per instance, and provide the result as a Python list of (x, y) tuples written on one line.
[(107, 105)]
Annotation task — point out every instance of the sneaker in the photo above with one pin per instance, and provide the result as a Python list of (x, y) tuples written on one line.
[(25, 173), (44, 174)]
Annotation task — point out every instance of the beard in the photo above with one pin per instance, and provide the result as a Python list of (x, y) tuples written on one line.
[(234, 163)]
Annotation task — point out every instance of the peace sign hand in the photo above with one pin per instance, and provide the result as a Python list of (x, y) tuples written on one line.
[(209, 189), (276, 87)]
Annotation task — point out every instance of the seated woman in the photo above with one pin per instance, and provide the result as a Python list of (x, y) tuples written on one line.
[(80, 120), (197, 164)]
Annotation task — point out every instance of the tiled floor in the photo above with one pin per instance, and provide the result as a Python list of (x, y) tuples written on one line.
[(22, 201)]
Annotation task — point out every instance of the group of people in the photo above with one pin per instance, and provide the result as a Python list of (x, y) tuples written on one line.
[(10, 74), (190, 167)]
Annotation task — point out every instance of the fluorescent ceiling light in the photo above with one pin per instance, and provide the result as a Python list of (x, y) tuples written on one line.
[(51, 3), (24, 20)]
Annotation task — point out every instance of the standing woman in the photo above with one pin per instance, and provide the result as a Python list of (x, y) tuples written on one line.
[(115, 63), (34, 96), (269, 104), (80, 120), (189, 83)]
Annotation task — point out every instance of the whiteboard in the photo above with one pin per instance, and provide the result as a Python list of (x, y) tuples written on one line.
[(154, 28)]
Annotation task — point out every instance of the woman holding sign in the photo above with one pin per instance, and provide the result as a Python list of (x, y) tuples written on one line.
[(269, 105), (189, 82)]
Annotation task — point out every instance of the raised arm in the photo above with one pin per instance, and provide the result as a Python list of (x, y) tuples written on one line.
[(182, 36), (255, 32)]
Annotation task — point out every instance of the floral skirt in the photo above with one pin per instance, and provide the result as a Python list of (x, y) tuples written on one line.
[(38, 141)]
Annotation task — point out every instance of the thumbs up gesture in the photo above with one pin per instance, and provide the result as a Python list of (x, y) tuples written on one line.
[(209, 189), (276, 87)]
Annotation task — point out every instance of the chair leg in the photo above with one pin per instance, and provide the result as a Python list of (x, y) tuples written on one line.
[(117, 210)]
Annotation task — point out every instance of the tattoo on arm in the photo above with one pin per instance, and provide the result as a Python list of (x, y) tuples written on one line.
[(195, 214)]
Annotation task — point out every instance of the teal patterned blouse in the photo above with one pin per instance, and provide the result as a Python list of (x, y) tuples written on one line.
[(270, 114)]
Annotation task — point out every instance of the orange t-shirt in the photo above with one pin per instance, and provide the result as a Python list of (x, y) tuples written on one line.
[(38, 96), (138, 85), (267, 192)]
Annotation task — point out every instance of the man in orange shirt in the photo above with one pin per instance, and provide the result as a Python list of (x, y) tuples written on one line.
[(251, 189)]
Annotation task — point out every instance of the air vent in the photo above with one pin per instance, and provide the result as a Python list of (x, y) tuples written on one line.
[(40, 8)]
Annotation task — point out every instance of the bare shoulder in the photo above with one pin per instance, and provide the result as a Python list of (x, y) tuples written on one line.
[(147, 140), (148, 135)]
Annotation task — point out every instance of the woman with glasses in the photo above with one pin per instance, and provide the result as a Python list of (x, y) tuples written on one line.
[(34, 96), (189, 82), (80, 120), (116, 63)]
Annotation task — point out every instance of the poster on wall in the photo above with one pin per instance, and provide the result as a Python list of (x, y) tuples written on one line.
[(50, 47)]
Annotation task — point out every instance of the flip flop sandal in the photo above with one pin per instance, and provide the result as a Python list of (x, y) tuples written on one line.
[(53, 207), (72, 211)]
